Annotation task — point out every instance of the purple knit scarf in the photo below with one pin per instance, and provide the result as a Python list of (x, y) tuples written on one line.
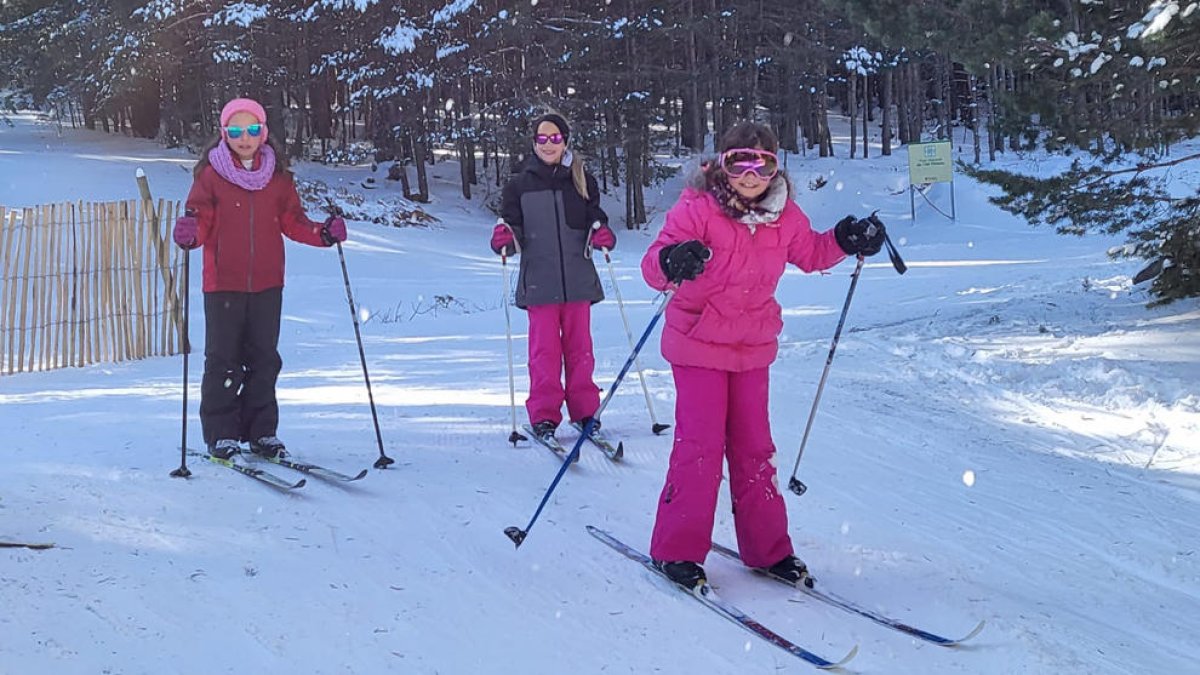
[(221, 158)]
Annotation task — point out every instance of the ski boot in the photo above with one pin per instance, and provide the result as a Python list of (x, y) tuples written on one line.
[(595, 425), (225, 448), (685, 573), (791, 570), (268, 447), (544, 430)]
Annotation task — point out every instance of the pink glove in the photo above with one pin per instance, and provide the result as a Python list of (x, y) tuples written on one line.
[(604, 238), (503, 242), (333, 231), (187, 232)]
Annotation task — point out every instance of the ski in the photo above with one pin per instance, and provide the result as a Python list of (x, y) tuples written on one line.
[(22, 544), (311, 469), (842, 603), (603, 444), (552, 445), (257, 474), (705, 594)]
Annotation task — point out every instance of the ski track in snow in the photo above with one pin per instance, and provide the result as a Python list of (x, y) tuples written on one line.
[(1009, 352)]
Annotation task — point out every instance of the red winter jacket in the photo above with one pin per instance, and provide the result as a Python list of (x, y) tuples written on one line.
[(241, 231)]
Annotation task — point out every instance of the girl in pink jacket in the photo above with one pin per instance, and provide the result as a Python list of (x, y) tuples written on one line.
[(729, 238)]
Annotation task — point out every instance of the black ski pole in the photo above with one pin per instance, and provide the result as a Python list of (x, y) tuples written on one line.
[(184, 343), (186, 346), (516, 534), (794, 483), (384, 461)]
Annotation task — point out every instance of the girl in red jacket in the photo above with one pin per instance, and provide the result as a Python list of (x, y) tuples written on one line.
[(242, 202), (729, 238)]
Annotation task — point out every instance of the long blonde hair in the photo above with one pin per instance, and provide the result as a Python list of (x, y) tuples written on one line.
[(579, 175)]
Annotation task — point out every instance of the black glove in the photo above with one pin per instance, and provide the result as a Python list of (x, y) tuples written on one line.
[(683, 262), (860, 236)]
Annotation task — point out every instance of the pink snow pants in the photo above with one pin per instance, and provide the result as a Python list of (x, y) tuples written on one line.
[(721, 414), (561, 335)]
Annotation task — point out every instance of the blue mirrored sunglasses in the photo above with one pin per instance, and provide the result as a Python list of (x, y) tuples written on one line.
[(255, 130)]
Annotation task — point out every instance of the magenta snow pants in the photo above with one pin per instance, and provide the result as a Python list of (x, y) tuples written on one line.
[(561, 335), (721, 414)]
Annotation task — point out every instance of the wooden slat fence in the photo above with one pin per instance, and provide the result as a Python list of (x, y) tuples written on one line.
[(87, 282)]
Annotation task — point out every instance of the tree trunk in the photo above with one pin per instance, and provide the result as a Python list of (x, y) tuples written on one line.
[(146, 109), (993, 129), (824, 138), (885, 105), (420, 155), (916, 108), (692, 126), (716, 84), (852, 109), (866, 114), (611, 118), (804, 107), (973, 84), (943, 95)]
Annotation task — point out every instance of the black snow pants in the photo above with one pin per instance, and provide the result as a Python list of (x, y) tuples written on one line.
[(241, 365)]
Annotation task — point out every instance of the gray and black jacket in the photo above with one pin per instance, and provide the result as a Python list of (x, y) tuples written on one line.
[(551, 221)]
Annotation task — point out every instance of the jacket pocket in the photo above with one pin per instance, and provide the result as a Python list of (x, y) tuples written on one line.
[(754, 327), (707, 327)]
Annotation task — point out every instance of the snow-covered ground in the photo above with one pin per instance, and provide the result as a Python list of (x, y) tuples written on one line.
[(980, 453)]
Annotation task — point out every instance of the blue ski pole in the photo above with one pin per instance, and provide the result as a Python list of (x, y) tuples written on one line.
[(516, 534)]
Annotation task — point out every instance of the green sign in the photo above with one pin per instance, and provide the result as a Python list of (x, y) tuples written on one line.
[(930, 163)]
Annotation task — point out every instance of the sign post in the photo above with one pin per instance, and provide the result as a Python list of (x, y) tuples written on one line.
[(930, 163)]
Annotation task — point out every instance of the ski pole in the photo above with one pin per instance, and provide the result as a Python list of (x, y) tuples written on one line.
[(516, 436), (516, 534), (384, 461), (637, 362), (186, 346), (795, 484), (184, 343)]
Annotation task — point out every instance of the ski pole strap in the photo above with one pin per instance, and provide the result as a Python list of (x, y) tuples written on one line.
[(897, 261)]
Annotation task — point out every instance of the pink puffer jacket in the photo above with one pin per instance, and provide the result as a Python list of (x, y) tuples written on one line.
[(728, 318)]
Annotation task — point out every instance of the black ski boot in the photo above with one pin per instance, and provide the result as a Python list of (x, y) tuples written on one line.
[(545, 430), (225, 448), (685, 573), (268, 447), (595, 426), (791, 570)]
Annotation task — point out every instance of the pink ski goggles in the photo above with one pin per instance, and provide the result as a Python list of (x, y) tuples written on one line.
[(738, 162)]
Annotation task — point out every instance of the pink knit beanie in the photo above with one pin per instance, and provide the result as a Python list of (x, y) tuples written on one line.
[(246, 105)]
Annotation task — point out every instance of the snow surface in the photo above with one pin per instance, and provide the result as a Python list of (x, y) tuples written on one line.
[(980, 452)]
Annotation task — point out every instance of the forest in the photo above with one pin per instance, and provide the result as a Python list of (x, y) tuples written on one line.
[(1115, 84)]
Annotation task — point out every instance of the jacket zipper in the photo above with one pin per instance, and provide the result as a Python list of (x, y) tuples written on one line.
[(562, 256), (250, 267)]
